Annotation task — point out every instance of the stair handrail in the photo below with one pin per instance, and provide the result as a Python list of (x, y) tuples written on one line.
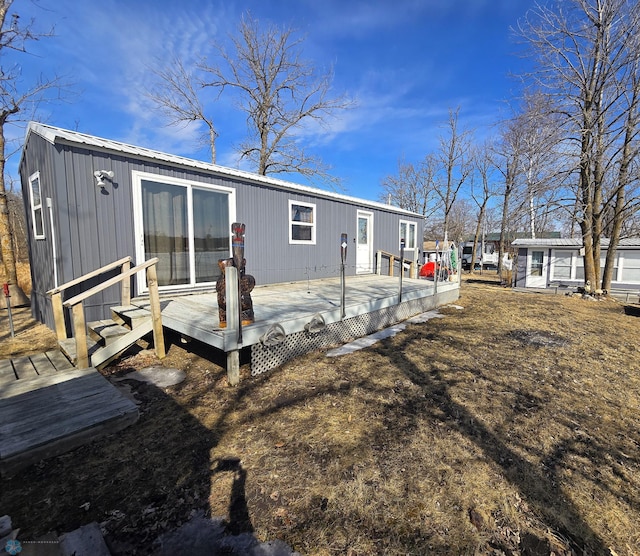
[(57, 293), (392, 258), (92, 274), (108, 283), (77, 307)]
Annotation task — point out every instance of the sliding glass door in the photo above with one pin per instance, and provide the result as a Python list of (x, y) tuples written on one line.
[(186, 225)]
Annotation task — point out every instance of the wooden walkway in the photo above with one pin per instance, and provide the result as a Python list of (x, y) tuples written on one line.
[(32, 366), (47, 407)]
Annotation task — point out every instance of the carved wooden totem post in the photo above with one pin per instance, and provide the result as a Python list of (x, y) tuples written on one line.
[(246, 282)]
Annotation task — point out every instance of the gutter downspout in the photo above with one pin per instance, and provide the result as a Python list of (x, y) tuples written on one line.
[(53, 243)]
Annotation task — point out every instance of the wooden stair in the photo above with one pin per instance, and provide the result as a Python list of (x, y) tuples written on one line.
[(100, 342), (110, 338)]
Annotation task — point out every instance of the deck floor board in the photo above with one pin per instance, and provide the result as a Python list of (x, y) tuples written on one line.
[(290, 304)]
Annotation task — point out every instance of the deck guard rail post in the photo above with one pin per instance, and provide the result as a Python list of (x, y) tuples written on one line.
[(156, 317), (233, 323), (125, 292), (58, 316), (80, 333)]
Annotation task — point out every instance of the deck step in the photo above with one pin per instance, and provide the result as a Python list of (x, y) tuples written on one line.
[(129, 315), (106, 331), (68, 347), (102, 357)]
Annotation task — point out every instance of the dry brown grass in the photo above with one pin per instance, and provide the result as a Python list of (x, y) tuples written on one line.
[(508, 427)]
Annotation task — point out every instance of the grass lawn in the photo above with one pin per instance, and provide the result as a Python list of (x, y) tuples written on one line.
[(510, 426)]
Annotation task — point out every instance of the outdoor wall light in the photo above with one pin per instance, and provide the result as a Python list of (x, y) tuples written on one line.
[(102, 175)]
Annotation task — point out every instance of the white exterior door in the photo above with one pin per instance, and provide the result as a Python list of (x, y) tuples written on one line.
[(537, 268), (364, 243)]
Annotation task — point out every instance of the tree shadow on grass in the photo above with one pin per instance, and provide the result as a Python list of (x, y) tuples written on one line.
[(137, 484), (538, 488)]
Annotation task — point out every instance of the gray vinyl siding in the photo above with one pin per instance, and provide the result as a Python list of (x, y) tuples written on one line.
[(95, 227)]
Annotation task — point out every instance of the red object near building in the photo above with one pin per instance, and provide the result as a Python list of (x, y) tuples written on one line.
[(428, 270)]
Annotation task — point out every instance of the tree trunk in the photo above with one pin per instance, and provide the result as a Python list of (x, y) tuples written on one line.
[(616, 228), (6, 234)]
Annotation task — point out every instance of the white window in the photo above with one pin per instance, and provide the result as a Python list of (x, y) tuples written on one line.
[(408, 232), (302, 223), (186, 225), (36, 206), (631, 268), (561, 265)]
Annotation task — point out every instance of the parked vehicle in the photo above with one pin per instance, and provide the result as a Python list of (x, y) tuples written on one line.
[(486, 258)]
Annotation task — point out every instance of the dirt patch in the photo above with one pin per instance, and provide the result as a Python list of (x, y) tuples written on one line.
[(508, 427)]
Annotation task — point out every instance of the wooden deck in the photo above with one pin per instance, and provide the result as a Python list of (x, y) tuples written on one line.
[(32, 366), (291, 305), (47, 408)]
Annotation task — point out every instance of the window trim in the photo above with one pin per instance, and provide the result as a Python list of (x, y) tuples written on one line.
[(409, 223), (34, 208), (312, 225)]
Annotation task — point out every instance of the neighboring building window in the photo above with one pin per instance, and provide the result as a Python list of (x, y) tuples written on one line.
[(302, 222), (631, 267), (562, 265), (579, 267), (408, 233), (36, 206), (537, 263)]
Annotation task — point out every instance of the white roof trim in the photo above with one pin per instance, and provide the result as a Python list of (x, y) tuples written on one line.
[(56, 134), (576, 243)]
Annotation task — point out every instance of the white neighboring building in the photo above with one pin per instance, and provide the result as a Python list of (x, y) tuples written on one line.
[(553, 263)]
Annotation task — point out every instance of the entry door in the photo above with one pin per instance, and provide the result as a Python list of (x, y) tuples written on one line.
[(364, 243), (537, 266)]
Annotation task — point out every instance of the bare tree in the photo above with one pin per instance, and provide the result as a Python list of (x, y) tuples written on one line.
[(508, 159), (484, 169), (411, 188), (279, 92), (455, 164), (15, 98), (587, 53), (176, 94)]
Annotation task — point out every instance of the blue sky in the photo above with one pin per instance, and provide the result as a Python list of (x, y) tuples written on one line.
[(405, 62)]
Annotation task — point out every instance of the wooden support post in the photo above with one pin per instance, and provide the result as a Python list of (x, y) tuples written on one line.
[(125, 284), (80, 334), (58, 316), (412, 270), (156, 315), (233, 323), (378, 262), (391, 263)]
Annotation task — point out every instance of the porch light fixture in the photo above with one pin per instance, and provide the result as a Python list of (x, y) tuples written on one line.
[(102, 175)]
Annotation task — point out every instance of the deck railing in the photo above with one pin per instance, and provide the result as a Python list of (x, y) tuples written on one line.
[(380, 255), (75, 304)]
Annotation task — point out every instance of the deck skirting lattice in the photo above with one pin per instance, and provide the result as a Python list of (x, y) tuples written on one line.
[(265, 358)]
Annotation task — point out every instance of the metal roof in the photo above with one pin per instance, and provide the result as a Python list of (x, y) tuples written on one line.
[(576, 243), (58, 135)]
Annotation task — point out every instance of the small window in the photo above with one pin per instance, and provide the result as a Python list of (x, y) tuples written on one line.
[(36, 206), (408, 233), (631, 268), (302, 222), (562, 265), (537, 263)]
